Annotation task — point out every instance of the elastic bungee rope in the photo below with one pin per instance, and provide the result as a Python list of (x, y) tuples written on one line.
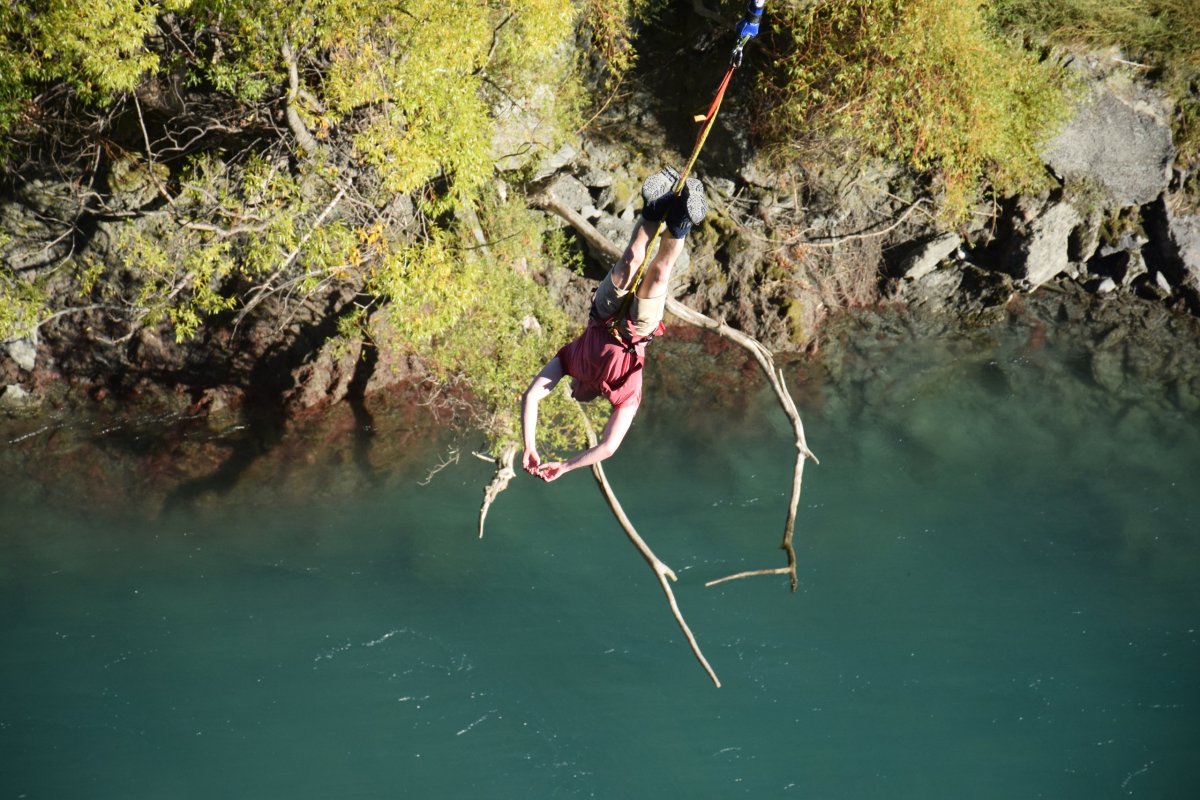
[(747, 29)]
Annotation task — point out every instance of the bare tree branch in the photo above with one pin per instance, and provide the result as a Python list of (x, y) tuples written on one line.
[(451, 458), (304, 137), (661, 570), (267, 287), (834, 241), (504, 474)]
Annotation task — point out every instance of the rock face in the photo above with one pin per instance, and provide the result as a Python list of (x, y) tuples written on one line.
[(1118, 139), (927, 257), (23, 351), (780, 249), (1182, 241), (1042, 253)]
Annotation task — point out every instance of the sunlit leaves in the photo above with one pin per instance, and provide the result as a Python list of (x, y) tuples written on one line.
[(98, 49), (20, 306), (476, 317), (1161, 34), (922, 81)]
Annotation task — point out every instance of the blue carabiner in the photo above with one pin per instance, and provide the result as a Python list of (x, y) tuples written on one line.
[(747, 28)]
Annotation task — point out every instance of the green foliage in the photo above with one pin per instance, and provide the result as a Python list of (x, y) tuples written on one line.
[(1165, 34), (413, 79), (237, 225), (21, 305), (926, 82), (471, 312), (401, 96), (98, 49), (559, 250)]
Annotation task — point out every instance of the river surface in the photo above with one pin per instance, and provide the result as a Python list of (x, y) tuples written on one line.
[(998, 599)]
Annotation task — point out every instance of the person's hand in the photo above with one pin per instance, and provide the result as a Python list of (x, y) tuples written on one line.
[(531, 462), (549, 472)]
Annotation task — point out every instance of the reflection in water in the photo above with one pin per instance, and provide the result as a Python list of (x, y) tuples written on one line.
[(997, 596)]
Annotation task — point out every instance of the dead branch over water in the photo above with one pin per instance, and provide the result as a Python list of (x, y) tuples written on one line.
[(661, 570), (504, 473)]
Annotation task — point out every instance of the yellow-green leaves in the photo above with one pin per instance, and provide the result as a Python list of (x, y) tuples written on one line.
[(104, 42), (473, 313), (922, 81), (430, 287), (233, 226), (414, 81), (99, 49), (20, 306)]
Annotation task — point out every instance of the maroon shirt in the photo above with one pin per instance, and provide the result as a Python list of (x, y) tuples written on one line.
[(604, 366)]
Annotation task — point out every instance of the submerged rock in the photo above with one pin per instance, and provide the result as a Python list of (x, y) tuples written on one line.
[(15, 399)]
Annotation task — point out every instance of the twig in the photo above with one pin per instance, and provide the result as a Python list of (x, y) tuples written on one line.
[(803, 453), (661, 570), (835, 241), (66, 311), (225, 233), (1132, 63), (265, 289), (451, 458)]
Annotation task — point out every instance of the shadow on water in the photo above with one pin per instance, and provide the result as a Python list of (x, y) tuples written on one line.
[(263, 431), (266, 417), (364, 420)]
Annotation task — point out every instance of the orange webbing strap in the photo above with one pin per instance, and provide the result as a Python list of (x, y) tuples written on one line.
[(708, 120)]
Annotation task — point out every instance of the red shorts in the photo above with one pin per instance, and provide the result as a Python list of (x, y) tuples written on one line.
[(603, 367)]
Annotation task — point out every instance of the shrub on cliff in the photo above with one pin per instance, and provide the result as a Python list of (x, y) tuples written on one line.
[(97, 50), (926, 82), (1163, 34)]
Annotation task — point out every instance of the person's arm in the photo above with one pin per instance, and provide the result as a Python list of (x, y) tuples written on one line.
[(542, 384), (614, 431)]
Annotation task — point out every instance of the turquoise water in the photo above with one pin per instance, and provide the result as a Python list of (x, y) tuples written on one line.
[(997, 600)]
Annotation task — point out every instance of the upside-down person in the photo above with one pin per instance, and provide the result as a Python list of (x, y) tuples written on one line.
[(606, 359)]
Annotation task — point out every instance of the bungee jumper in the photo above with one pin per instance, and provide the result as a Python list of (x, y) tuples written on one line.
[(627, 308)]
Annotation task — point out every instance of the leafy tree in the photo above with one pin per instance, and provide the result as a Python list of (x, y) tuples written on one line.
[(97, 49), (235, 152)]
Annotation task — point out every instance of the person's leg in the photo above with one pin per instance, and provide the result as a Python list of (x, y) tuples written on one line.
[(657, 279), (679, 213), (623, 271)]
